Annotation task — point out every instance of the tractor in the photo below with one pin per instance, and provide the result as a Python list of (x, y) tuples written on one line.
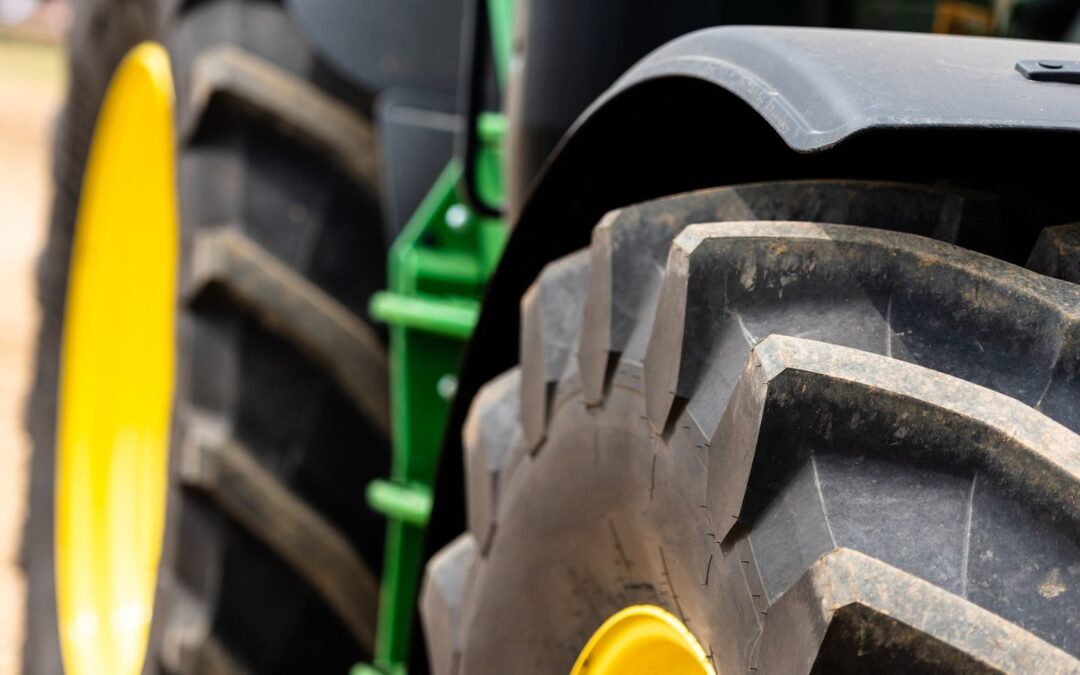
[(548, 336)]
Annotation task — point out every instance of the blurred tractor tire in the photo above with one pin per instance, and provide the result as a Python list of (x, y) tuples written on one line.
[(822, 447), (270, 561)]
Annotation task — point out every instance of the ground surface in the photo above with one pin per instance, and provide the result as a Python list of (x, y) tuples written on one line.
[(31, 84)]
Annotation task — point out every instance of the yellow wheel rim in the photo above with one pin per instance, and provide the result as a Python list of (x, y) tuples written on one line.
[(642, 640), (116, 376)]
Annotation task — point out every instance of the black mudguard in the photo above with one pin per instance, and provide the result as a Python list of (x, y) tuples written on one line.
[(817, 87)]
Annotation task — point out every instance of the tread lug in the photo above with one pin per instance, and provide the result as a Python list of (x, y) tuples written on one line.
[(551, 316), (488, 441), (441, 599), (290, 305), (299, 107), (630, 245), (231, 476), (880, 613)]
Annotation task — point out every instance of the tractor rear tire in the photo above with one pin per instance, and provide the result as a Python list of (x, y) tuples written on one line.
[(822, 447), (270, 562)]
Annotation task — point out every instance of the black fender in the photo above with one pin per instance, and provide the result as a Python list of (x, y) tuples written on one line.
[(741, 104), (817, 87)]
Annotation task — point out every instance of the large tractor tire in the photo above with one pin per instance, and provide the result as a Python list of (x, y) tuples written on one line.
[(278, 415), (783, 428)]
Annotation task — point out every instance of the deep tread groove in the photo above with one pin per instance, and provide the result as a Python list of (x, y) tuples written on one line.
[(299, 107), (231, 476), (287, 303)]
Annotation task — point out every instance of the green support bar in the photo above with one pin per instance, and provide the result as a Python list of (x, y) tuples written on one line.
[(437, 270), (452, 318), (408, 503)]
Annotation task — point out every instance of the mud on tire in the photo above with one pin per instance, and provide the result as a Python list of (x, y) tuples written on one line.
[(809, 419)]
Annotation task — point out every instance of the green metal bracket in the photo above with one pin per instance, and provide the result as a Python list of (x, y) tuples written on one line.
[(408, 503), (437, 271), (450, 317)]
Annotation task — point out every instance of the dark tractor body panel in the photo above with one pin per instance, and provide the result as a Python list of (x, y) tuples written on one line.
[(745, 104), (413, 44)]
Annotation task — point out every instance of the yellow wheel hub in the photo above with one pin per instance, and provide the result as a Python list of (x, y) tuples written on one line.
[(643, 640), (116, 377)]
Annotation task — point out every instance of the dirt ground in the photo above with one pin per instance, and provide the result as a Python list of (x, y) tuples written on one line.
[(31, 84)]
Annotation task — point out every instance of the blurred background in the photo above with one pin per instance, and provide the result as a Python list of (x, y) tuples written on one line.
[(32, 73)]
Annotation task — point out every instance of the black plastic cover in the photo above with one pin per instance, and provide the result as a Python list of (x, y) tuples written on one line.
[(405, 43), (816, 86)]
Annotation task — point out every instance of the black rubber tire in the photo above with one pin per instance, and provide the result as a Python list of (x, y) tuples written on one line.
[(826, 448), (270, 560)]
